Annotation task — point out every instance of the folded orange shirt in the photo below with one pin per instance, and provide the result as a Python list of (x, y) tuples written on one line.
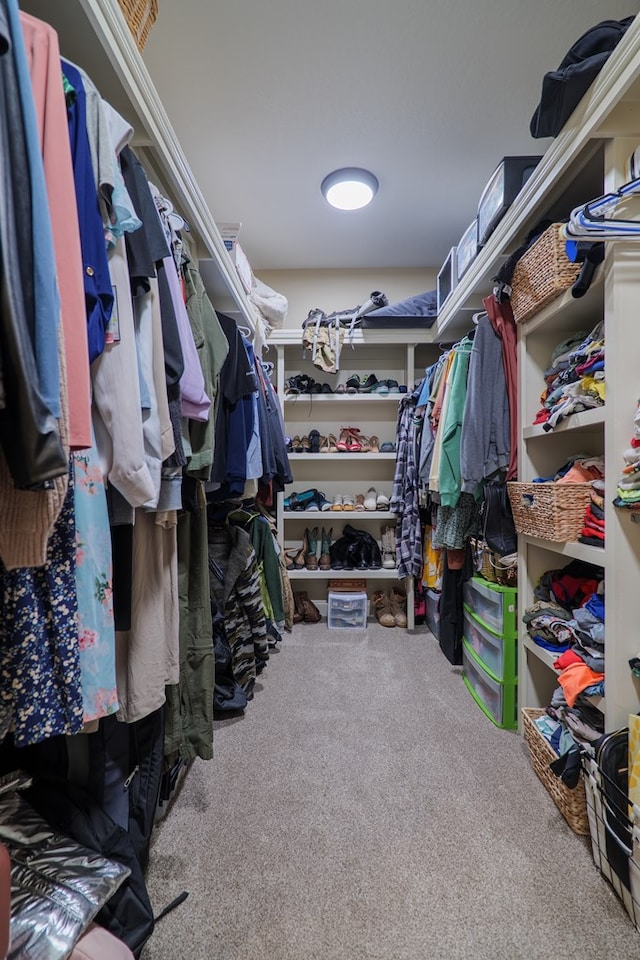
[(575, 678)]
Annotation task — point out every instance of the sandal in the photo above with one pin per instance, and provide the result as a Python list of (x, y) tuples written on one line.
[(305, 445), (374, 444), (349, 441), (341, 388), (296, 446), (359, 505), (328, 444), (298, 501)]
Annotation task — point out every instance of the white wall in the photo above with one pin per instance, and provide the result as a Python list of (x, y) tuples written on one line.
[(343, 289)]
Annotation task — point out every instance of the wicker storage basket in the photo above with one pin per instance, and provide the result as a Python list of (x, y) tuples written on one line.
[(552, 511), (541, 274), (140, 16), (572, 804)]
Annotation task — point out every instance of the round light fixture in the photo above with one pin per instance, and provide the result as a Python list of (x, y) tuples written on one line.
[(349, 188)]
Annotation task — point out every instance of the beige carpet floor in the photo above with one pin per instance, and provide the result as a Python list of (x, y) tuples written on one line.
[(365, 809)]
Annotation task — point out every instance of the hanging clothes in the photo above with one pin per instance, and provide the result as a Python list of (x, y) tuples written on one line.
[(39, 641), (213, 348), (189, 707), (236, 591), (404, 498), (43, 55), (94, 588), (29, 435), (501, 317), (485, 448), (97, 285)]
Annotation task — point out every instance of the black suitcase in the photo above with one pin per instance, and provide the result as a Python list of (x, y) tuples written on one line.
[(612, 757)]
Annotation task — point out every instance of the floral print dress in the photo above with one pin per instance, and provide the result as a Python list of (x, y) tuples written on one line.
[(96, 631), (40, 691)]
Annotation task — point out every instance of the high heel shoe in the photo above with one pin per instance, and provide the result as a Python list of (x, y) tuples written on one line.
[(328, 444), (349, 441), (325, 545), (310, 546)]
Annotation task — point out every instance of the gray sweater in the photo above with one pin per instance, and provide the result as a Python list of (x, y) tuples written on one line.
[(485, 444)]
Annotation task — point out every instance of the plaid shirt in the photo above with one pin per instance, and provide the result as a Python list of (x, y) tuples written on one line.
[(404, 499)]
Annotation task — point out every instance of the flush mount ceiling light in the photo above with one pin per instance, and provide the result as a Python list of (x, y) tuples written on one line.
[(349, 188)]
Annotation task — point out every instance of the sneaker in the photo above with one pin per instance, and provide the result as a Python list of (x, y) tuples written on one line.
[(388, 447), (366, 386)]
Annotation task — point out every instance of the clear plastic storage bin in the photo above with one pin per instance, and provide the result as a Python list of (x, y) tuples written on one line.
[(433, 612), (496, 606), (498, 654), (347, 611)]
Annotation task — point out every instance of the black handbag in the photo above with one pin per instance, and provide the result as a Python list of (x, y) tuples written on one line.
[(497, 520)]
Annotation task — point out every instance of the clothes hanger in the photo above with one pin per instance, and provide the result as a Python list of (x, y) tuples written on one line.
[(593, 219)]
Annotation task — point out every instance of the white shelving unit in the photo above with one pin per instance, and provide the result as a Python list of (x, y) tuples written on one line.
[(398, 354), (588, 158)]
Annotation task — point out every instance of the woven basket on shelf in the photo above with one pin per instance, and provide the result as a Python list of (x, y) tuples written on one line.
[(572, 804), (140, 16), (552, 511), (541, 274)]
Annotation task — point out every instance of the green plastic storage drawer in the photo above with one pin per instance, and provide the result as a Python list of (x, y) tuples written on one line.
[(495, 606), (497, 700), (497, 654)]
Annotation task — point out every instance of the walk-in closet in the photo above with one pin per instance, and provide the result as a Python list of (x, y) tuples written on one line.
[(320, 470)]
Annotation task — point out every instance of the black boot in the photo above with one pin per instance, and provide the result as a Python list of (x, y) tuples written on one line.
[(375, 558)]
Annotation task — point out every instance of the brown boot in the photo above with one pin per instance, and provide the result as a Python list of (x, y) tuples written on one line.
[(381, 603), (311, 612), (298, 609), (399, 606)]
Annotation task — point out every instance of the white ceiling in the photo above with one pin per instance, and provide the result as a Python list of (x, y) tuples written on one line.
[(268, 97)]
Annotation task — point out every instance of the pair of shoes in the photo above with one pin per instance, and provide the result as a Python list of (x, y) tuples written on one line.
[(375, 501), (342, 502), (356, 384), (350, 440), (298, 384), (390, 608), (355, 550), (388, 540), (385, 386), (305, 609), (300, 501), (307, 555), (319, 502), (328, 444)]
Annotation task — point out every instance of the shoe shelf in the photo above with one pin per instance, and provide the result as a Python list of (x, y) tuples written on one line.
[(343, 574), (327, 516), (342, 456), (357, 398), (393, 355)]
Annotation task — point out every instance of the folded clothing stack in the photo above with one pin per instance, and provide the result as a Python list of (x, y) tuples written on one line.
[(628, 492), (593, 529), (575, 378)]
